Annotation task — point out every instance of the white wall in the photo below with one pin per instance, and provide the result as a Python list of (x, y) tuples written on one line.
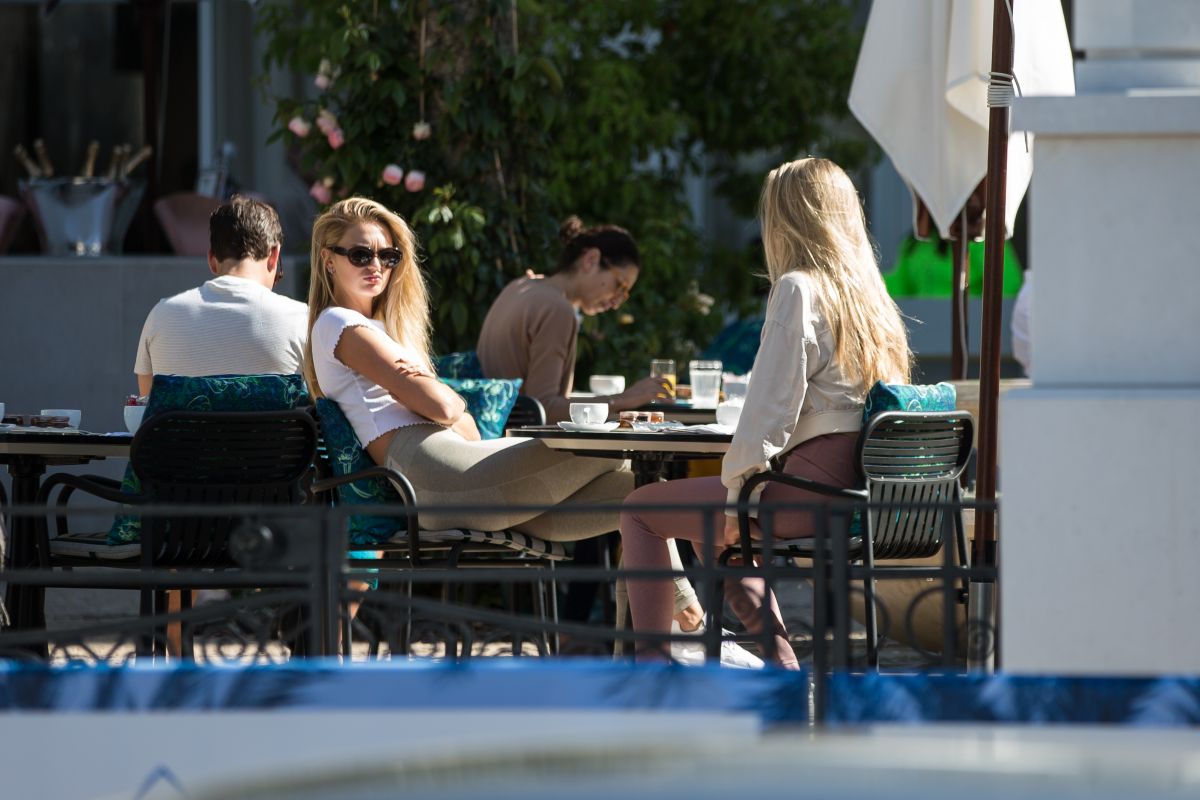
[(1099, 459)]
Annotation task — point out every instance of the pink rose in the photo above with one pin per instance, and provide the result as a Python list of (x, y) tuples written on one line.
[(298, 126), (320, 192), (336, 138), (414, 181), (422, 130), (325, 75), (392, 175), (326, 121)]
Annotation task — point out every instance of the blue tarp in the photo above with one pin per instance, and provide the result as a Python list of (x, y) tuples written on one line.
[(774, 695), (865, 699)]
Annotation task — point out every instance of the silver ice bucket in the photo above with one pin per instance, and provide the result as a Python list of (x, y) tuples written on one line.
[(81, 216)]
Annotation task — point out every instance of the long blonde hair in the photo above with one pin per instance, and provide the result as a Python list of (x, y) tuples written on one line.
[(812, 222), (403, 308)]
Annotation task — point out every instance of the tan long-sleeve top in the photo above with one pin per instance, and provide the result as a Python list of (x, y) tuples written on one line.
[(529, 333)]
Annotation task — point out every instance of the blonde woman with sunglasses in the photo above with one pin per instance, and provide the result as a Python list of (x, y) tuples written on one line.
[(368, 350), (831, 331)]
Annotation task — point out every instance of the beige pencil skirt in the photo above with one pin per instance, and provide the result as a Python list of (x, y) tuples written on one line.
[(451, 475)]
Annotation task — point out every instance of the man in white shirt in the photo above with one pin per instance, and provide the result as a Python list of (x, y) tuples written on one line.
[(234, 324)]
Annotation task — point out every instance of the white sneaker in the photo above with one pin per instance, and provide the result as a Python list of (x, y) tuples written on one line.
[(692, 653)]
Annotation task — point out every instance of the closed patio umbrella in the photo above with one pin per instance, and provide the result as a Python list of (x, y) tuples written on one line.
[(921, 88)]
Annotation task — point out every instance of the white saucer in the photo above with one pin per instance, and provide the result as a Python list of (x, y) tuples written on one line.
[(6, 426), (589, 427)]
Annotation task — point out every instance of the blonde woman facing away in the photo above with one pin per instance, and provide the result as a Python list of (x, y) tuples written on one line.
[(831, 331), (368, 350)]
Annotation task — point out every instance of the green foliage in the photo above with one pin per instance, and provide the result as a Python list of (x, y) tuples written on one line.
[(543, 109)]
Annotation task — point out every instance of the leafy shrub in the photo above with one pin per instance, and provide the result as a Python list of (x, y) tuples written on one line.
[(536, 110)]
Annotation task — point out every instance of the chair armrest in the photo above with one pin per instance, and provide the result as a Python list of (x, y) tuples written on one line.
[(96, 485), (743, 511), (404, 487)]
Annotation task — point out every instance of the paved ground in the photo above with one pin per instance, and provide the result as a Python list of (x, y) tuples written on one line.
[(66, 608)]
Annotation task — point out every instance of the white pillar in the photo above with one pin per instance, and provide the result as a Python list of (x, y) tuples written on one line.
[(1100, 459)]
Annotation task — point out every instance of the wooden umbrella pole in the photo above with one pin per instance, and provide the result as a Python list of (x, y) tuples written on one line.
[(993, 284), (960, 280)]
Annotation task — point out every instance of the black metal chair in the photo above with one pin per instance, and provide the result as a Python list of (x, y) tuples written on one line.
[(910, 463), (188, 458), (415, 547), (525, 412)]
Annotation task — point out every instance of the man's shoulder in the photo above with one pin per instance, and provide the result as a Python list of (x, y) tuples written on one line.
[(187, 299), (285, 304)]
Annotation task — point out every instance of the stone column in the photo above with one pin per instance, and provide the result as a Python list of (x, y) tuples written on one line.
[(1100, 459)]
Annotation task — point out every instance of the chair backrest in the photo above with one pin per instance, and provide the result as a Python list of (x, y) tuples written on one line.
[(526, 411), (217, 458), (907, 459)]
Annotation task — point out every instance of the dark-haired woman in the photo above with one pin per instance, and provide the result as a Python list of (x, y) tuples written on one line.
[(530, 331)]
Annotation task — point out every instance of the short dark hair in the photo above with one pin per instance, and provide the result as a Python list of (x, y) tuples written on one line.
[(616, 246), (243, 228)]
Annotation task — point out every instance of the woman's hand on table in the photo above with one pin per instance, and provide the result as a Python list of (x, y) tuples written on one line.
[(645, 391)]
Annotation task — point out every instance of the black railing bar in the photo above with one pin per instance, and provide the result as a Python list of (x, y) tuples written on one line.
[(391, 510), (133, 580), (705, 579), (859, 572), (250, 578), (533, 574), (949, 525)]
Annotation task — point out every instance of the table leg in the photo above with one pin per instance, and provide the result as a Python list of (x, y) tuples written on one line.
[(26, 604), (647, 468)]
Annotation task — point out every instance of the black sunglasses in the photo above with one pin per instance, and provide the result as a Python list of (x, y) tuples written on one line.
[(361, 256)]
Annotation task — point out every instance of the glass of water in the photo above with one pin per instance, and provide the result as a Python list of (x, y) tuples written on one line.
[(706, 383)]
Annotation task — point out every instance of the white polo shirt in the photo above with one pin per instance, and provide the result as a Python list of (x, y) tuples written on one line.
[(227, 326)]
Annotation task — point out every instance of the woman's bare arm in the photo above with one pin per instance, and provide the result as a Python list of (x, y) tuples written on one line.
[(377, 358)]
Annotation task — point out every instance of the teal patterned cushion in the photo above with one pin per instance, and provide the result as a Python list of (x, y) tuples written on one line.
[(489, 401), (458, 365), (907, 397), (903, 397), (213, 393), (346, 455)]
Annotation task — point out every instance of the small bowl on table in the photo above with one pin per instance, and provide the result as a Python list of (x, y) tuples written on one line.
[(133, 417)]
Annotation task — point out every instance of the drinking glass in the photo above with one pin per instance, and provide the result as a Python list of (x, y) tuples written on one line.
[(664, 368), (706, 383)]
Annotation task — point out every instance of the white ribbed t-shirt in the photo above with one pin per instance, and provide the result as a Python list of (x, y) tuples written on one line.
[(227, 326), (371, 409)]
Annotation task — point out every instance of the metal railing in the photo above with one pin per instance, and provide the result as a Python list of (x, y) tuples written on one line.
[(293, 592)]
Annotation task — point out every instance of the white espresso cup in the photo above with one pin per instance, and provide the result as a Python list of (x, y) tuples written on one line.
[(589, 413), (73, 415)]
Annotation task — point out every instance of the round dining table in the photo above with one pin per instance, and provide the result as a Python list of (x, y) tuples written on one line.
[(648, 452)]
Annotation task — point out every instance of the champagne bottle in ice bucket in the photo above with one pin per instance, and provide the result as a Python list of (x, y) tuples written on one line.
[(89, 160), (135, 161), (44, 163), (31, 168), (83, 214)]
